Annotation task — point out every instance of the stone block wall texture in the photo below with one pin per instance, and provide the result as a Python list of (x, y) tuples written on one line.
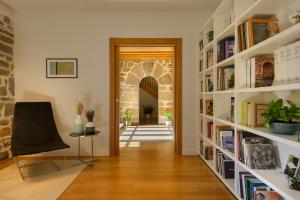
[(7, 86), (132, 72)]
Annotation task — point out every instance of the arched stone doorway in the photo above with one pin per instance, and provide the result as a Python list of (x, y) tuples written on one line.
[(131, 74), (148, 101)]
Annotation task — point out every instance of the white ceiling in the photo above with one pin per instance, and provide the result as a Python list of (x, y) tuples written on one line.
[(94, 5)]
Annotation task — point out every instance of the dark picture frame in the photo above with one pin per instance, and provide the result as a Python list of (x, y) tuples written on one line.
[(61, 68)]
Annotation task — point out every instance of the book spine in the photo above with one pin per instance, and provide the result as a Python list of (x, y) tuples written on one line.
[(252, 72)]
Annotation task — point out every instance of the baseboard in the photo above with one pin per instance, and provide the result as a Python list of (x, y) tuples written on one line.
[(189, 152)]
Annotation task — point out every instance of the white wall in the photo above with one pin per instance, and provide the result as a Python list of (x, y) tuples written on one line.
[(86, 36)]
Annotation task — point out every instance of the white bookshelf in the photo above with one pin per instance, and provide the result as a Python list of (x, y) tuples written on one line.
[(222, 27)]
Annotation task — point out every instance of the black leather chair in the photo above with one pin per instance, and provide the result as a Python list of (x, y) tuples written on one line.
[(34, 130)]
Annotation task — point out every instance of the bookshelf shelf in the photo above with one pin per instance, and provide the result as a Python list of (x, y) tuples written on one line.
[(276, 179), (227, 32), (227, 153), (224, 121), (228, 61), (222, 100), (291, 140), (294, 86), (224, 92), (208, 69), (267, 47)]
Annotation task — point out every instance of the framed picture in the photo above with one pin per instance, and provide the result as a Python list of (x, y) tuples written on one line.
[(258, 30), (62, 68)]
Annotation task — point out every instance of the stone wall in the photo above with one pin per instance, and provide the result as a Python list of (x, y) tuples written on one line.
[(7, 87), (133, 71)]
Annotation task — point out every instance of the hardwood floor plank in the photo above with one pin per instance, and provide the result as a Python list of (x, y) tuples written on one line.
[(149, 172)]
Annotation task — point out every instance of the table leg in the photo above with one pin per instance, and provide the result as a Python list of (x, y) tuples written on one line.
[(79, 147), (92, 149)]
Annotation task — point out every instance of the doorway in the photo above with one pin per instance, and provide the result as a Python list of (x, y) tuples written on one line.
[(117, 107), (148, 101)]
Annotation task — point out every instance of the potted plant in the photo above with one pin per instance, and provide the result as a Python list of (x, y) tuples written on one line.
[(169, 116), (148, 111), (210, 36), (281, 118), (127, 117)]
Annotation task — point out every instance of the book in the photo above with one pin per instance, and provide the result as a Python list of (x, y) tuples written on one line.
[(286, 60), (260, 108), (201, 45), (224, 165), (254, 31), (259, 156), (244, 113), (201, 147), (225, 78), (209, 107), (228, 143), (208, 153), (262, 71), (244, 190), (200, 65), (232, 104), (227, 139), (209, 83), (251, 113), (241, 175), (209, 58), (255, 183), (225, 48), (291, 166), (246, 137), (201, 105), (217, 129), (228, 169), (209, 129), (266, 195)]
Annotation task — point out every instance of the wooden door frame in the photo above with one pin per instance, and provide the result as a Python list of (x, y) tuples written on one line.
[(114, 45)]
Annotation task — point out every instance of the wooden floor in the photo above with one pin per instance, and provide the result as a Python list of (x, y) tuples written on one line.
[(150, 172)]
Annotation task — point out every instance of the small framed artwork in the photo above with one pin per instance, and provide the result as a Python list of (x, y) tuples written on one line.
[(258, 30), (62, 68)]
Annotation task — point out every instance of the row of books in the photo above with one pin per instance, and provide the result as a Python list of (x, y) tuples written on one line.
[(225, 48), (200, 65), (224, 165), (251, 113), (209, 58), (201, 105), (252, 188), (209, 107), (201, 147), (258, 71), (255, 152), (225, 78), (225, 137), (287, 61), (254, 31), (209, 85), (208, 153), (201, 46), (210, 127)]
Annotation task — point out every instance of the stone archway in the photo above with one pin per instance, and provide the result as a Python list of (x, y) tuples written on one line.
[(148, 101), (132, 72)]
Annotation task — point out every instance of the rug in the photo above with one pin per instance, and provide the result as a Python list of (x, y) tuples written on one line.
[(45, 184)]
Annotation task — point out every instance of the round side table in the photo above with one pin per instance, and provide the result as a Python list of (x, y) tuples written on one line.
[(85, 135)]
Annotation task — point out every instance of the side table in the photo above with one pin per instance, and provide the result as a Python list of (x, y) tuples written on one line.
[(84, 135)]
